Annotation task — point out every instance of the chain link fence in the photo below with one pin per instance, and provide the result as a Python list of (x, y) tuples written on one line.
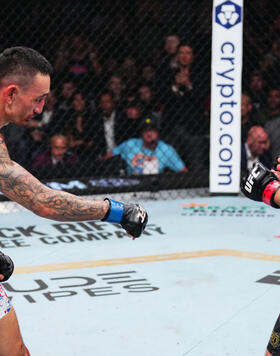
[(130, 99)]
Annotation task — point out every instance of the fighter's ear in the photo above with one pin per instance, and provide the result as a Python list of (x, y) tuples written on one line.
[(9, 93)]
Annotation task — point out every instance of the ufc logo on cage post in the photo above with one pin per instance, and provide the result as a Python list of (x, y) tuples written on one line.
[(225, 125)]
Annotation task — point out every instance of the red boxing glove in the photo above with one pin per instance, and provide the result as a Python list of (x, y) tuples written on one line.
[(261, 185), (269, 193)]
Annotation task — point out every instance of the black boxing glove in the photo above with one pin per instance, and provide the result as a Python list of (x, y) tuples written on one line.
[(132, 217), (261, 185), (6, 266)]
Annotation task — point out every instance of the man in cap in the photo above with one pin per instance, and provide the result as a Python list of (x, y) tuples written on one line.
[(148, 154)]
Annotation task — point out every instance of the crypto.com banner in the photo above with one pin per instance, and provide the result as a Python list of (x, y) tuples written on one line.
[(225, 127)]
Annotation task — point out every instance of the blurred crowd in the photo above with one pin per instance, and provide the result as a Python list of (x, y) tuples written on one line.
[(93, 111), (131, 112)]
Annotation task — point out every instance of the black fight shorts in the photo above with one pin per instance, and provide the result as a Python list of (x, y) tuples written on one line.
[(274, 341)]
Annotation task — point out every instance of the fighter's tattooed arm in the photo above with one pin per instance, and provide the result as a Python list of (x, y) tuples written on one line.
[(19, 185)]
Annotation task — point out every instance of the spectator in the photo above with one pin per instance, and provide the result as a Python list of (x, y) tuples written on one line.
[(62, 108), (182, 78), (148, 75), (185, 125), (148, 101), (111, 67), (257, 90), (131, 119), (247, 119), (272, 126), (129, 73), (171, 44), (57, 161), (168, 59), (116, 87), (79, 58), (23, 142), (67, 89), (256, 148), (177, 79), (271, 65), (73, 55), (78, 127), (184, 105), (275, 26), (148, 154), (106, 127), (272, 109)]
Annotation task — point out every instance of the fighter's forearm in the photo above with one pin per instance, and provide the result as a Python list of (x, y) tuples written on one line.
[(21, 186), (62, 206)]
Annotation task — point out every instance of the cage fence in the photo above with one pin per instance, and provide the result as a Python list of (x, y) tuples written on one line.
[(129, 107)]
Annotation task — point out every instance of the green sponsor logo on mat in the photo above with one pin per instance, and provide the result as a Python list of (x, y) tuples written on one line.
[(204, 209)]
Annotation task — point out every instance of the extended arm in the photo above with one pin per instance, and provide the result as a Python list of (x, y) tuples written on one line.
[(21, 186)]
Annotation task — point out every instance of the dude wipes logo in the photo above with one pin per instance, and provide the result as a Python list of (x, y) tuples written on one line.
[(228, 14), (273, 278), (195, 209), (93, 286)]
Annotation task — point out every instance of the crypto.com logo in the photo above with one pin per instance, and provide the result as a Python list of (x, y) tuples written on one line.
[(228, 14)]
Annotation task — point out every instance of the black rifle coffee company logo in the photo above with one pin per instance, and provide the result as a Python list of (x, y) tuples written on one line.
[(212, 210), (93, 286), (67, 233)]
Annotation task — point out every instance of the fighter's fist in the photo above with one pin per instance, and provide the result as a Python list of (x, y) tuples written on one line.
[(132, 217), (6, 266), (261, 185)]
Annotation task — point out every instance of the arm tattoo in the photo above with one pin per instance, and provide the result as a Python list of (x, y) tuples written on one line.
[(19, 185)]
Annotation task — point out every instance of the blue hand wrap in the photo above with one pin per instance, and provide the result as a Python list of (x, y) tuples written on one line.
[(116, 212)]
